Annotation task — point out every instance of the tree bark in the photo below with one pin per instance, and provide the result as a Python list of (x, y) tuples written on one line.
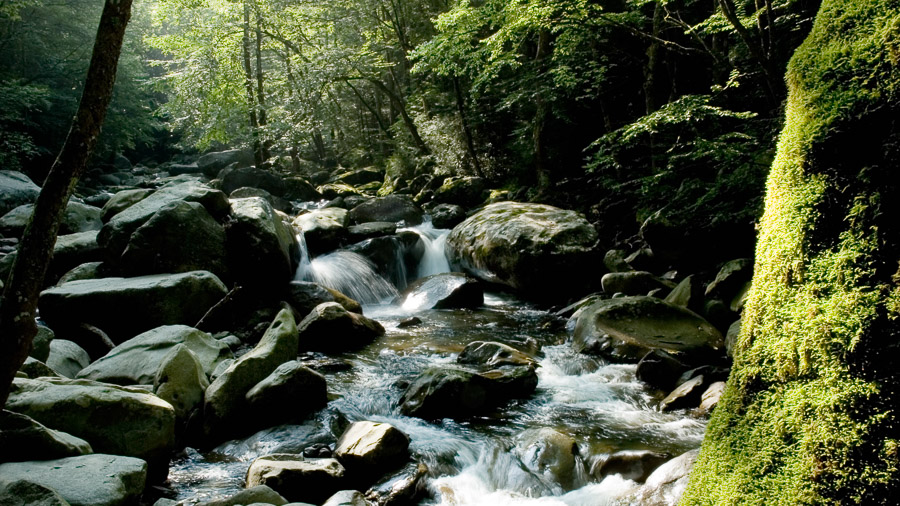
[(401, 108), (265, 144), (809, 414), (19, 305), (248, 85), (467, 132), (542, 111)]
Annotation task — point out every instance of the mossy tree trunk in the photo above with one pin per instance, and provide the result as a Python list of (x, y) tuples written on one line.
[(17, 325), (810, 414)]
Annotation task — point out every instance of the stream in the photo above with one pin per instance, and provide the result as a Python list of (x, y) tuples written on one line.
[(480, 461)]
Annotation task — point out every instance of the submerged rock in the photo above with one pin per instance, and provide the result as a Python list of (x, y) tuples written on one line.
[(550, 453), (449, 290), (667, 483), (630, 465), (296, 478), (492, 354), (88, 480), (529, 247), (125, 307), (113, 419), (627, 328)]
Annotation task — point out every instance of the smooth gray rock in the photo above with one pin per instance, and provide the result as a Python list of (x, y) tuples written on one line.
[(181, 381), (550, 453), (123, 200), (22, 439), (331, 328), (630, 465), (253, 495), (16, 189), (532, 248), (252, 177), (262, 248), (33, 368), (667, 483), (370, 448), (211, 163), (26, 493), (347, 498), (137, 360), (633, 283), (392, 208), (125, 307), (40, 345), (115, 420), (493, 354), (88, 480), (290, 393), (296, 478), (67, 358), (323, 229)]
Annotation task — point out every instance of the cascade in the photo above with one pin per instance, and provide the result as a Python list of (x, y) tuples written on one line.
[(434, 260)]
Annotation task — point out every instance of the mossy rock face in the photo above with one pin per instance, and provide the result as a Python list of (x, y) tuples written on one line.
[(465, 191), (393, 208), (533, 248), (809, 412)]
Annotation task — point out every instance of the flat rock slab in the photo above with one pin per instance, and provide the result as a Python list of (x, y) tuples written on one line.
[(125, 307), (88, 480)]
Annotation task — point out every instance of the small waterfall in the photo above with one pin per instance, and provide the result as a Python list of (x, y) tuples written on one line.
[(434, 261), (346, 272)]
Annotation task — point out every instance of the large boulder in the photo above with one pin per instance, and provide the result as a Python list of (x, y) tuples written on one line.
[(291, 392), (331, 328), (323, 229), (465, 191), (114, 236), (449, 290), (22, 438), (627, 328), (392, 208), (211, 163), (298, 188), (296, 478), (78, 217), (368, 449), (116, 420), (633, 283), (67, 358), (88, 480), (137, 360), (447, 215), (70, 251), (259, 494), (261, 247), (16, 189), (359, 177), (122, 201), (26, 493), (181, 381), (529, 247), (180, 237), (304, 296), (125, 307), (225, 409), (252, 177), (551, 454), (454, 392)]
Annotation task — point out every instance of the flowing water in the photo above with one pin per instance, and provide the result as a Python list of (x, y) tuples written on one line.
[(479, 461)]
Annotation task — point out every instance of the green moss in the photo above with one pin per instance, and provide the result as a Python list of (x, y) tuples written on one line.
[(809, 414)]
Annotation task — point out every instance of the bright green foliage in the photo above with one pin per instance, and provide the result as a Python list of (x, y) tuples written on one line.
[(810, 412)]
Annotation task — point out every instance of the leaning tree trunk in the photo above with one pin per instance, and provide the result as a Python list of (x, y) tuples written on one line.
[(810, 413), (17, 312)]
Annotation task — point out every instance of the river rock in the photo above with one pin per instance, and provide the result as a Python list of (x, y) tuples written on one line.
[(72, 250), (711, 396), (33, 368), (125, 307), (22, 438), (332, 191), (529, 247), (78, 218), (465, 191), (261, 247), (453, 392), (660, 370), (449, 290), (40, 344), (137, 360), (87, 480), (211, 163), (392, 208), (89, 270), (290, 393), (113, 419), (26, 493), (634, 465), (633, 283), (731, 337), (225, 410), (233, 179), (331, 328), (614, 261), (277, 203), (323, 229), (667, 483), (447, 215), (180, 237), (404, 488), (626, 328), (181, 381), (296, 478), (114, 236), (370, 230), (492, 354), (359, 177), (688, 294), (258, 495), (550, 453), (686, 396), (67, 358), (370, 448), (121, 201), (347, 498), (730, 279), (16, 189), (298, 188), (304, 296)]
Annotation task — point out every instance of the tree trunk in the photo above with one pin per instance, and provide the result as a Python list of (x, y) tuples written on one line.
[(265, 145), (542, 111), (17, 312), (467, 132), (809, 414), (401, 108), (248, 84)]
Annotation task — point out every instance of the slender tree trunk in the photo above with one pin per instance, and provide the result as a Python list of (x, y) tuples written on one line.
[(378, 119), (248, 84), (542, 111), (653, 59), (401, 108), (265, 145), (470, 144), (17, 312), (773, 82)]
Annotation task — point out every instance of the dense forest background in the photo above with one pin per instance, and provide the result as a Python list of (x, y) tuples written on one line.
[(655, 112)]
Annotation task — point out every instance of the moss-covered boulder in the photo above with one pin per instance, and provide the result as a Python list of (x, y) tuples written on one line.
[(529, 247), (625, 329), (465, 191), (809, 414), (125, 307), (392, 208)]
